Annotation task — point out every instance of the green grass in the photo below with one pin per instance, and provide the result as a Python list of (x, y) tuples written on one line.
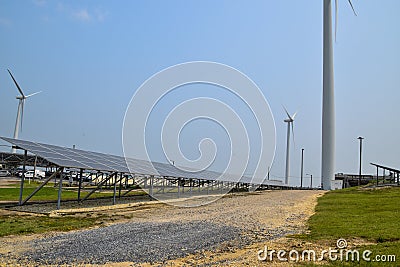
[(27, 224), (372, 215), (19, 225), (47, 193)]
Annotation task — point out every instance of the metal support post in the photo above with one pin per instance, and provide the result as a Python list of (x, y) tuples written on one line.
[(120, 185), (360, 170), (301, 172), (21, 189), (80, 185), (34, 170), (383, 176), (59, 191), (179, 188), (115, 187), (151, 185)]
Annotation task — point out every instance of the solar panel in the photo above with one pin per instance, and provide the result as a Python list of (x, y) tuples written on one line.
[(72, 158), (81, 159)]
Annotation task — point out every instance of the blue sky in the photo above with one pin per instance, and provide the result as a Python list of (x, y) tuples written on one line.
[(89, 57)]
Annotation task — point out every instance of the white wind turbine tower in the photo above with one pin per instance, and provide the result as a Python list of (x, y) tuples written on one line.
[(20, 112), (289, 122), (328, 101)]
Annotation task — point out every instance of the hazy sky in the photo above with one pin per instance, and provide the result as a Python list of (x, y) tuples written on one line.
[(89, 57)]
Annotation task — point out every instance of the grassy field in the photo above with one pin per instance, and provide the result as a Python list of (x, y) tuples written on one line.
[(49, 193), (369, 215), (19, 225), (26, 224)]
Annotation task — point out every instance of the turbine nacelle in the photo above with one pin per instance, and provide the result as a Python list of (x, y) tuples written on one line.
[(290, 118)]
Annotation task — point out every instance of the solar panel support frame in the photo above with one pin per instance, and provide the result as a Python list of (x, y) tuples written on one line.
[(42, 185), (98, 186)]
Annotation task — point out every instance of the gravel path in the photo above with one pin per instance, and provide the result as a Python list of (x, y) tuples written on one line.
[(130, 242), (166, 232)]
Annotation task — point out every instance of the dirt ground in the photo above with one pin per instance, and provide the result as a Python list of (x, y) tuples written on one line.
[(7, 181), (267, 218)]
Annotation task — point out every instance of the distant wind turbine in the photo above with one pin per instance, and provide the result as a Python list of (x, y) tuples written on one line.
[(289, 122), (328, 98), (20, 112)]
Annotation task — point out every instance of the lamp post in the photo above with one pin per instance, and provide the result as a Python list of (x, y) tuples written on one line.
[(302, 162), (359, 174), (310, 179)]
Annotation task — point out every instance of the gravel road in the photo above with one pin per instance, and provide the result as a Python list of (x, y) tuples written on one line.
[(130, 242)]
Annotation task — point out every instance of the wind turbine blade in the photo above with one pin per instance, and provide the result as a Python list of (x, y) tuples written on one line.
[(336, 17), (294, 115), (351, 4), (19, 88), (287, 113), (33, 94)]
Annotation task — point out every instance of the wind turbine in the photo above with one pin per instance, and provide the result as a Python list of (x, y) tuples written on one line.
[(20, 113), (289, 122), (328, 98)]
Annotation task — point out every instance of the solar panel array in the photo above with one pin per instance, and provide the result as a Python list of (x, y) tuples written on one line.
[(387, 168), (81, 159)]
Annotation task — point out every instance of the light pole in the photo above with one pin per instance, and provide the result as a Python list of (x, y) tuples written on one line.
[(302, 162), (359, 174), (310, 179)]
